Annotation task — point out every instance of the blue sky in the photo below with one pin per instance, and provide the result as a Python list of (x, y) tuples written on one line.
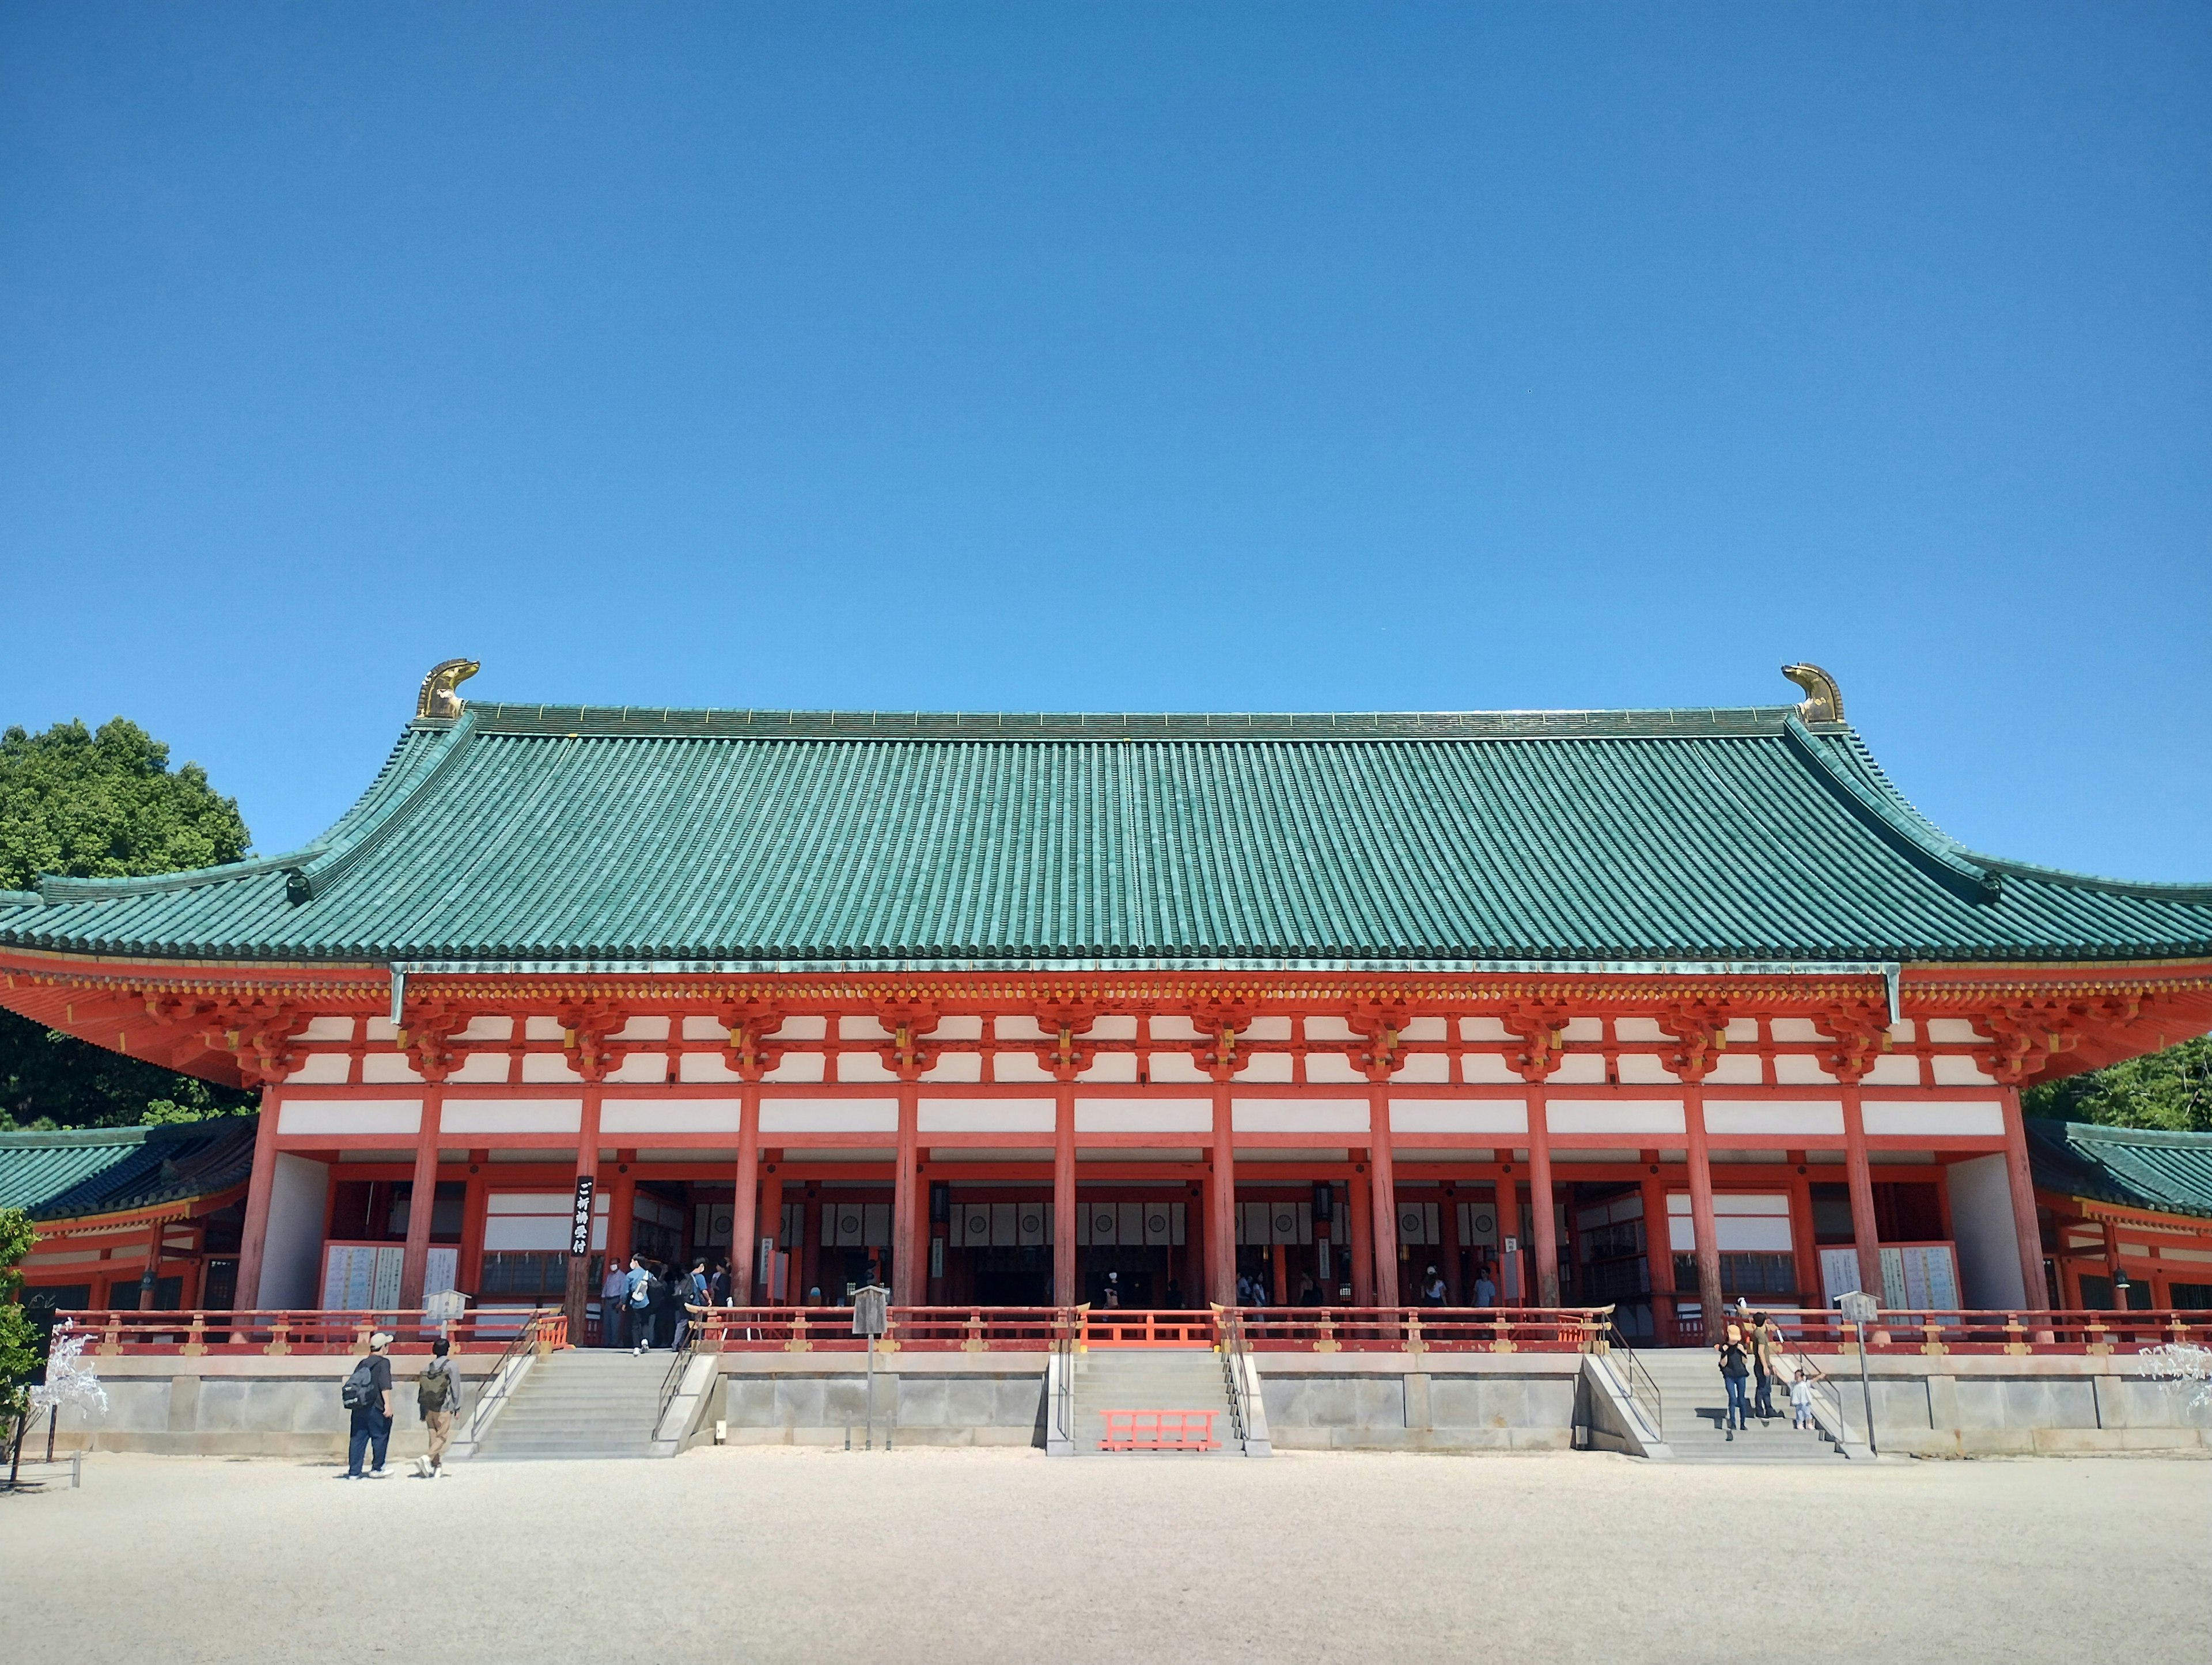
[(1123, 357)]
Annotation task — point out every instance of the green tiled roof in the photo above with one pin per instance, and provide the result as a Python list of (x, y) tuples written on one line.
[(2135, 1167), (111, 1170), (545, 833)]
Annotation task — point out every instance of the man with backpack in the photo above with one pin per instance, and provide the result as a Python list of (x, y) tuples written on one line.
[(438, 1397), (367, 1394)]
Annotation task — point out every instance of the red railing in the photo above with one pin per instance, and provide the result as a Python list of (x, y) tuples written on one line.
[(308, 1331), (917, 1329), (1939, 1330), (1435, 1329), (1159, 1431), (1120, 1327)]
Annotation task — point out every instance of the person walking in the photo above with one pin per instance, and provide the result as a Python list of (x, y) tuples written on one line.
[(1432, 1287), (691, 1292), (614, 1301), (1486, 1289), (1765, 1360), (438, 1397), (640, 1306), (367, 1395), (1734, 1369)]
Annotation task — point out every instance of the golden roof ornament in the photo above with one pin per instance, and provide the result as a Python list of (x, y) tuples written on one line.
[(438, 697), (1824, 701)]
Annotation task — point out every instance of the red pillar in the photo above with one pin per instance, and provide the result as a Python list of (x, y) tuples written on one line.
[(2023, 1223), (1866, 1236), (768, 1225), (1539, 1202), (1221, 1219), (422, 1197), (1383, 1186), (1063, 1199), (254, 1237), (744, 1247), (588, 1167), (1659, 1253), (1357, 1199), (905, 1286), (1701, 1215), (1803, 1243)]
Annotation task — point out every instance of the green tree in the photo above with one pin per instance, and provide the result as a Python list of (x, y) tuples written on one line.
[(20, 1351), (2169, 1090), (81, 804), (107, 805)]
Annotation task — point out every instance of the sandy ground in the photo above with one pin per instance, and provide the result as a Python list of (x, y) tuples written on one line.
[(979, 1555)]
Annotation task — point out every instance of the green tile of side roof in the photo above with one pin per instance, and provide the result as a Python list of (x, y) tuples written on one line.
[(77, 1171), (2135, 1167), (1638, 836)]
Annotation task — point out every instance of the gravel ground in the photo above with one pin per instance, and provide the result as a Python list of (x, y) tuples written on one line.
[(983, 1555)]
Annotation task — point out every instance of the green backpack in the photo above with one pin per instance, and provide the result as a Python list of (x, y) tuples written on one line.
[(434, 1390)]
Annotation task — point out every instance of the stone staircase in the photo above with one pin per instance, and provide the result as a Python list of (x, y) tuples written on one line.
[(1694, 1406), (1149, 1379), (580, 1402)]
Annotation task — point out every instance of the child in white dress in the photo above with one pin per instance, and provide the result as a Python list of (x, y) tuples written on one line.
[(1801, 1400)]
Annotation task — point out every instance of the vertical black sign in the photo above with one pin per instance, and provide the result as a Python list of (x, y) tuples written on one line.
[(579, 1223)]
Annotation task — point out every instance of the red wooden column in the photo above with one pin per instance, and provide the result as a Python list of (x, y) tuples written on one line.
[(622, 1207), (468, 1271), (1701, 1215), (1356, 1197), (905, 1283), (1063, 1198), (1658, 1251), (1221, 1217), (1547, 1230), (1866, 1236), (253, 1238), (1803, 1240), (744, 1247), (588, 1167), (422, 1198), (768, 1225), (1383, 1191), (2026, 1227)]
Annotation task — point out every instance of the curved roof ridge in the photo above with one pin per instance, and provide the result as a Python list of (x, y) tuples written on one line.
[(392, 788), (599, 721)]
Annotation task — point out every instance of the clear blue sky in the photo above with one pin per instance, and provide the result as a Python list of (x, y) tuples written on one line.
[(1123, 357)]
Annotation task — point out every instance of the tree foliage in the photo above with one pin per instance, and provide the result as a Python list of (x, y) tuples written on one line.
[(107, 804), (80, 803), (2169, 1090), (20, 1348)]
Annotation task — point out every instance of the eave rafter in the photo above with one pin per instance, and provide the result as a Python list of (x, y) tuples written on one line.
[(235, 1024)]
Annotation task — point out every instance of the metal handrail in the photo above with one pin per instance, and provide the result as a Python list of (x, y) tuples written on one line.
[(1800, 1362), (1229, 1324), (679, 1356), (524, 1339), (1063, 1398), (1636, 1381)]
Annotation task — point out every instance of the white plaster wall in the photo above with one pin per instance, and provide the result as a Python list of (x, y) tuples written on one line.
[(1981, 1226), (292, 1253)]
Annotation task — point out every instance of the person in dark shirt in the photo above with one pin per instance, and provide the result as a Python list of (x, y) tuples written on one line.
[(372, 1423)]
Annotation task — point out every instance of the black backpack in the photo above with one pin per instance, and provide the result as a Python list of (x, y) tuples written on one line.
[(358, 1391)]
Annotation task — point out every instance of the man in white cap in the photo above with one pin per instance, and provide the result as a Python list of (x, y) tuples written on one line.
[(367, 1393)]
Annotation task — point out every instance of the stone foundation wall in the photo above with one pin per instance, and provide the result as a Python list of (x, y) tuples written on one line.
[(1980, 1405), (961, 1399), (254, 1407), (1434, 1402)]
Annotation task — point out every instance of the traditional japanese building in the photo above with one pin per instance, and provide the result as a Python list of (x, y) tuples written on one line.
[(1645, 1007), (131, 1217), (2126, 1215)]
